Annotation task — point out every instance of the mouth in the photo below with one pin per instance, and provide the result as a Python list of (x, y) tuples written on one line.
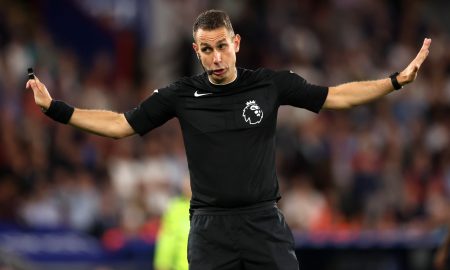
[(219, 72)]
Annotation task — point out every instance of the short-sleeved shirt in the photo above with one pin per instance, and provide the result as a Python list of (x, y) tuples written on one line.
[(229, 131)]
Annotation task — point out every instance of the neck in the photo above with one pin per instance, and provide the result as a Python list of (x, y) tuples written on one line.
[(225, 83)]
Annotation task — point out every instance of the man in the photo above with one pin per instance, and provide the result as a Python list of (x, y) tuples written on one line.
[(228, 118)]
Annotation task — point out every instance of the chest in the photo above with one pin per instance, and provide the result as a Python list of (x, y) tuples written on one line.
[(246, 109)]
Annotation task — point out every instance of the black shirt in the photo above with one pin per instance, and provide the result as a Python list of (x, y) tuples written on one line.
[(229, 131)]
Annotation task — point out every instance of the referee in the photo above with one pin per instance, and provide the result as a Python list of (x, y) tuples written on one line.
[(228, 118)]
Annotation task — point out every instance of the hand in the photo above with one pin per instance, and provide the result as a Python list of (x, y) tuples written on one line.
[(409, 74), (41, 95)]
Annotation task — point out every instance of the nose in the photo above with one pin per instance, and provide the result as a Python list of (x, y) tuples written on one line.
[(217, 58)]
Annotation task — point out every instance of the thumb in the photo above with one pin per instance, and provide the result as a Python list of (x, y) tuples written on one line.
[(30, 82)]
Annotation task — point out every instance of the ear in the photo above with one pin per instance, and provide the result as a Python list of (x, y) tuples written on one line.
[(195, 47), (237, 42)]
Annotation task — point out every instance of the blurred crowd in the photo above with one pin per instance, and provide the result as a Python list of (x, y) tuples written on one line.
[(381, 166)]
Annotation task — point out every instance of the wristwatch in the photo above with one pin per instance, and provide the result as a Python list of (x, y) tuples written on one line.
[(394, 81)]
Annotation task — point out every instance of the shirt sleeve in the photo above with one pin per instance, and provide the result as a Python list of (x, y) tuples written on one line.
[(154, 111), (296, 91)]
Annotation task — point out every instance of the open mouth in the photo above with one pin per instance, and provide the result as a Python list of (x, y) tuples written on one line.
[(219, 71)]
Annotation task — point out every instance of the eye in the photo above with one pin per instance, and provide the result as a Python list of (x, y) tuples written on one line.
[(206, 49), (222, 46)]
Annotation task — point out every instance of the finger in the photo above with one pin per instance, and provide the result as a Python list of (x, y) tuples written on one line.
[(28, 84), (426, 43), (424, 51), (34, 85), (420, 58), (36, 78)]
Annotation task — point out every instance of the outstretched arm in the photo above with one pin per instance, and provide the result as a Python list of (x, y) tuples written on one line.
[(355, 93), (100, 122)]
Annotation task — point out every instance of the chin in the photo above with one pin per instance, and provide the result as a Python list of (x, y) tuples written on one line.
[(216, 80)]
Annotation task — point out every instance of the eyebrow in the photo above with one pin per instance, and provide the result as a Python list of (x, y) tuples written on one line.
[(207, 44)]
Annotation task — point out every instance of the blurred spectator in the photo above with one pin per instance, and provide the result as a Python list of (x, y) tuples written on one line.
[(41, 208), (441, 258), (172, 241), (9, 198), (302, 204)]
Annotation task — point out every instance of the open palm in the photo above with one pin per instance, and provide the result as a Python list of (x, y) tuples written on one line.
[(409, 74)]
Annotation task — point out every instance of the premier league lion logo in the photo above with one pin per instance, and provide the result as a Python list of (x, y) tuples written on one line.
[(252, 113)]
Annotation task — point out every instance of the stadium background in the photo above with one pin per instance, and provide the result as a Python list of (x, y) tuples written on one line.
[(367, 188)]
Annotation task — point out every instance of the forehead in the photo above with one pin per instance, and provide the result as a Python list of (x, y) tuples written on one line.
[(210, 37)]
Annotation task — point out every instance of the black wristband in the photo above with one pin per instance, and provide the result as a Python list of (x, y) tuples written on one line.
[(59, 111), (394, 81)]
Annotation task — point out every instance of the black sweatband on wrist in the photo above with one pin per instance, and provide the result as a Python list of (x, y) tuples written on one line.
[(394, 81), (60, 111)]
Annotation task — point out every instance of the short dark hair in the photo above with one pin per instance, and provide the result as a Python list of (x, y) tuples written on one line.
[(212, 19)]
